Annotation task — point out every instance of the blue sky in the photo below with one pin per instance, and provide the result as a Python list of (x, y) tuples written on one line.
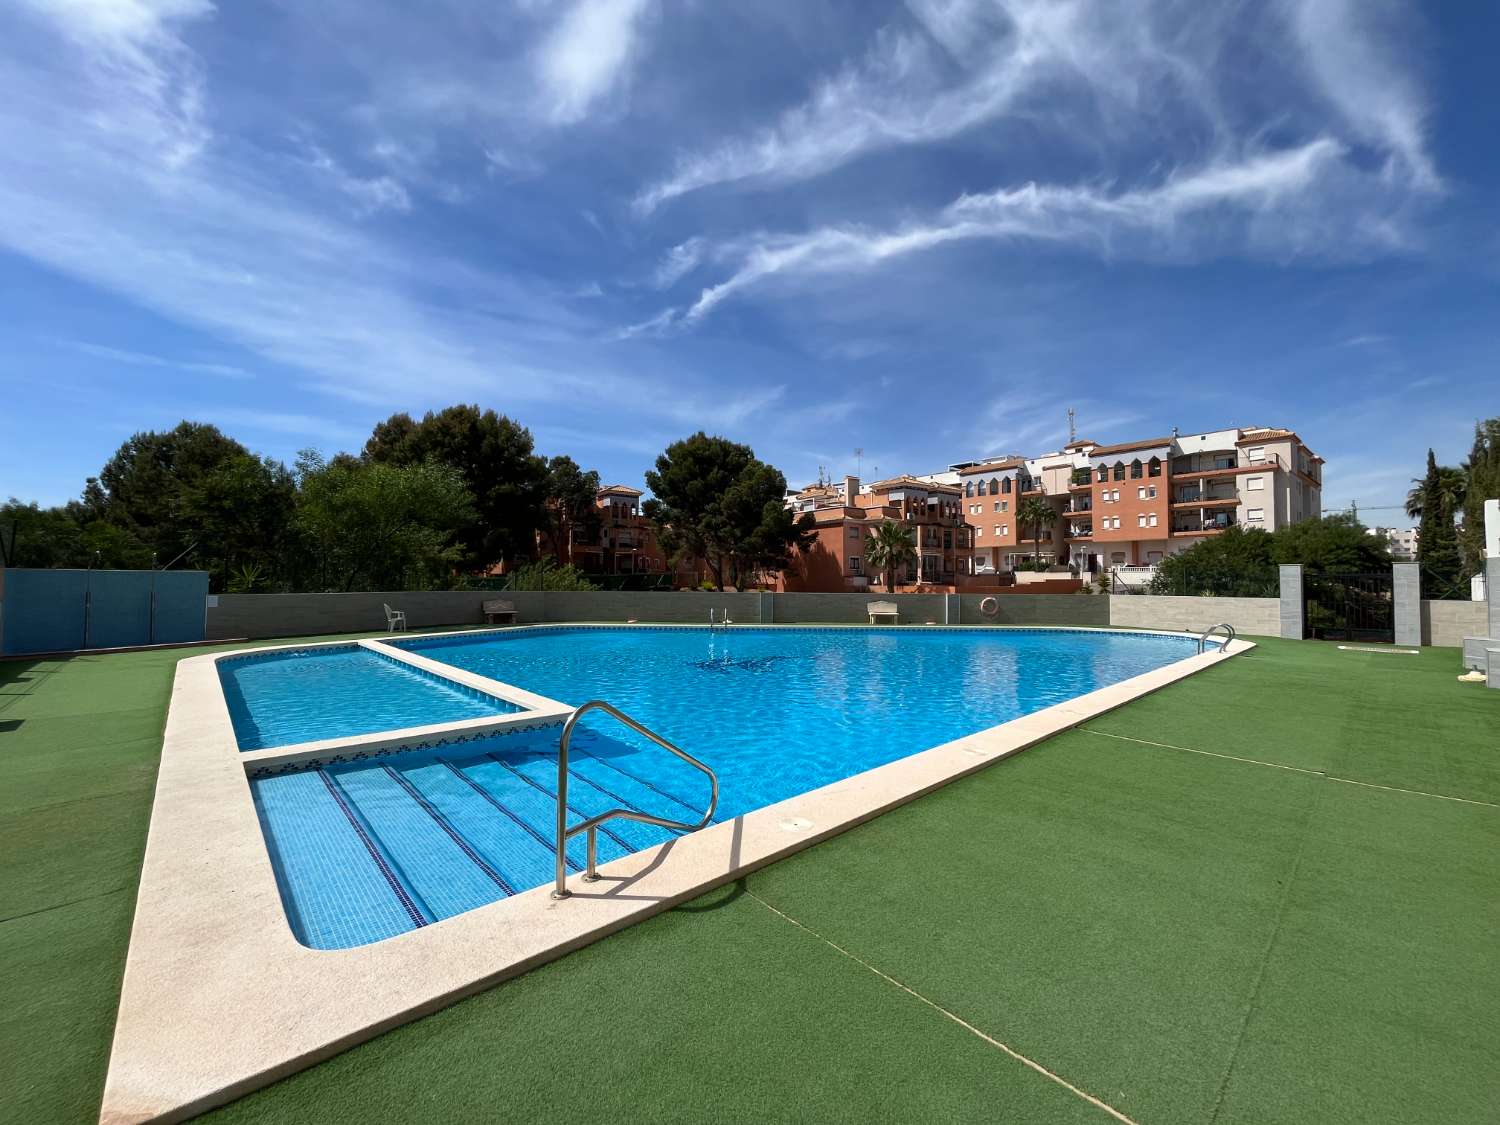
[(921, 229)]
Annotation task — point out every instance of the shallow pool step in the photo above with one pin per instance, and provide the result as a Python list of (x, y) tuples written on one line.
[(370, 849)]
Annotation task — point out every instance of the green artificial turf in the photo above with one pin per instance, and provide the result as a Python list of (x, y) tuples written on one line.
[(1186, 937)]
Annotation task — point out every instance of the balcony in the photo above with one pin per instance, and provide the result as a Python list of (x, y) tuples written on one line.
[(1211, 526), (1078, 506), (1204, 498)]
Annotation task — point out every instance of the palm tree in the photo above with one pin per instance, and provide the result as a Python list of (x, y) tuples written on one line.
[(1036, 514), (890, 546), (1452, 485)]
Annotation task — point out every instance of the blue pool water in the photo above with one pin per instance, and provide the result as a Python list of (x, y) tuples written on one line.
[(279, 698), (370, 849)]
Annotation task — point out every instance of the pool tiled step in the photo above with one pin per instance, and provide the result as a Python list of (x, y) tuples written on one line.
[(370, 849)]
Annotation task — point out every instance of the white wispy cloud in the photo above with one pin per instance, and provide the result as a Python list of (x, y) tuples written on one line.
[(1262, 203), (963, 63), (903, 91), (588, 54), (144, 359), (1355, 51)]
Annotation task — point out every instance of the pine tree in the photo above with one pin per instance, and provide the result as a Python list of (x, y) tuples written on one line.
[(1483, 469), (1437, 545)]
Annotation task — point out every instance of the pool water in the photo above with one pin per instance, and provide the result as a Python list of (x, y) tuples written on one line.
[(280, 698), (779, 711), (368, 849)]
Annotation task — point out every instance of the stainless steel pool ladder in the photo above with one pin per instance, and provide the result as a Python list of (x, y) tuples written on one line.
[(564, 833), (722, 623), (1228, 631)]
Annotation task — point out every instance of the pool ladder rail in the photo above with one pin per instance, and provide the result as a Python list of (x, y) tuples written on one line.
[(1228, 636), (591, 825), (722, 622)]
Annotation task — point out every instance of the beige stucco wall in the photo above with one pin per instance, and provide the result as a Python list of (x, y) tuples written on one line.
[(1040, 609), (1446, 624), (1256, 616)]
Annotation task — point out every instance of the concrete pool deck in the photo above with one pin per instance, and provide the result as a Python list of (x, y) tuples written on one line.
[(1273, 918), (206, 915)]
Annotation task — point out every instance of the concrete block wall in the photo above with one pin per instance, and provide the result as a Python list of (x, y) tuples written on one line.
[(259, 616), (1256, 616), (1083, 610), (1446, 624)]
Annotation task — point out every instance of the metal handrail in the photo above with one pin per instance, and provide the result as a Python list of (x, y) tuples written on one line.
[(1228, 629), (564, 833)]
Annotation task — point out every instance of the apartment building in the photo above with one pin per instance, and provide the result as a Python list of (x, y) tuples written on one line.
[(845, 514), (620, 541), (1401, 540), (1133, 503)]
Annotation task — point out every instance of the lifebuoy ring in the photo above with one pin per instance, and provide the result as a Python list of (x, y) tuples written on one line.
[(989, 607)]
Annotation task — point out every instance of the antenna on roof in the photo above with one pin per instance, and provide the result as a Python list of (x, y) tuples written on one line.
[(1072, 426)]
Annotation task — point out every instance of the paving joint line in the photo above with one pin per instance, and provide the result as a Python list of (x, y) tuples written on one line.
[(1265, 958), (1291, 769), (963, 1023)]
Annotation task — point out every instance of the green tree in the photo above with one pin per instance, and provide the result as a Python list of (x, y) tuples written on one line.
[(888, 548), (572, 503), (1452, 483), (374, 526), (1337, 544), (243, 510), (69, 535), (147, 488), (1483, 472), (1238, 562), (1437, 539), (713, 502), (496, 460), (1038, 515)]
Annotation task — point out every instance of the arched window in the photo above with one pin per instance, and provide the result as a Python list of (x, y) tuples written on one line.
[(1119, 470), (1005, 486), (1154, 467), (1103, 473), (1136, 469), (968, 488), (995, 485), (981, 488)]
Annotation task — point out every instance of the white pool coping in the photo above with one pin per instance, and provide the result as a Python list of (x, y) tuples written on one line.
[(220, 999)]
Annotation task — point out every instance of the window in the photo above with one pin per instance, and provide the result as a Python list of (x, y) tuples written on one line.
[(1117, 557), (1119, 470), (1000, 505), (1005, 505), (1005, 529), (978, 532), (999, 529), (1255, 484), (855, 566), (1137, 470), (1255, 514), (1116, 495), (1140, 520), (1228, 462), (1151, 492), (968, 488), (1103, 473), (1151, 520), (1153, 556), (1256, 453), (1140, 493), (996, 487), (854, 533), (982, 488), (1153, 468)]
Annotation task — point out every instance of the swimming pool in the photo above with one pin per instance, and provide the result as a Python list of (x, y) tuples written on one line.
[(303, 695), (367, 849)]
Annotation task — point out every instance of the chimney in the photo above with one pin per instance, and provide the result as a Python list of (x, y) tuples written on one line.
[(851, 490)]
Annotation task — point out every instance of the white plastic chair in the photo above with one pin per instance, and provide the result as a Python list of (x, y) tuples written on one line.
[(395, 619)]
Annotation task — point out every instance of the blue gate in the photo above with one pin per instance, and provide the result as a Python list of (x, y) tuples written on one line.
[(68, 610)]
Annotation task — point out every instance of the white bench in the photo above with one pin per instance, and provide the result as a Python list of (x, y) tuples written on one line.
[(499, 609), (883, 609)]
